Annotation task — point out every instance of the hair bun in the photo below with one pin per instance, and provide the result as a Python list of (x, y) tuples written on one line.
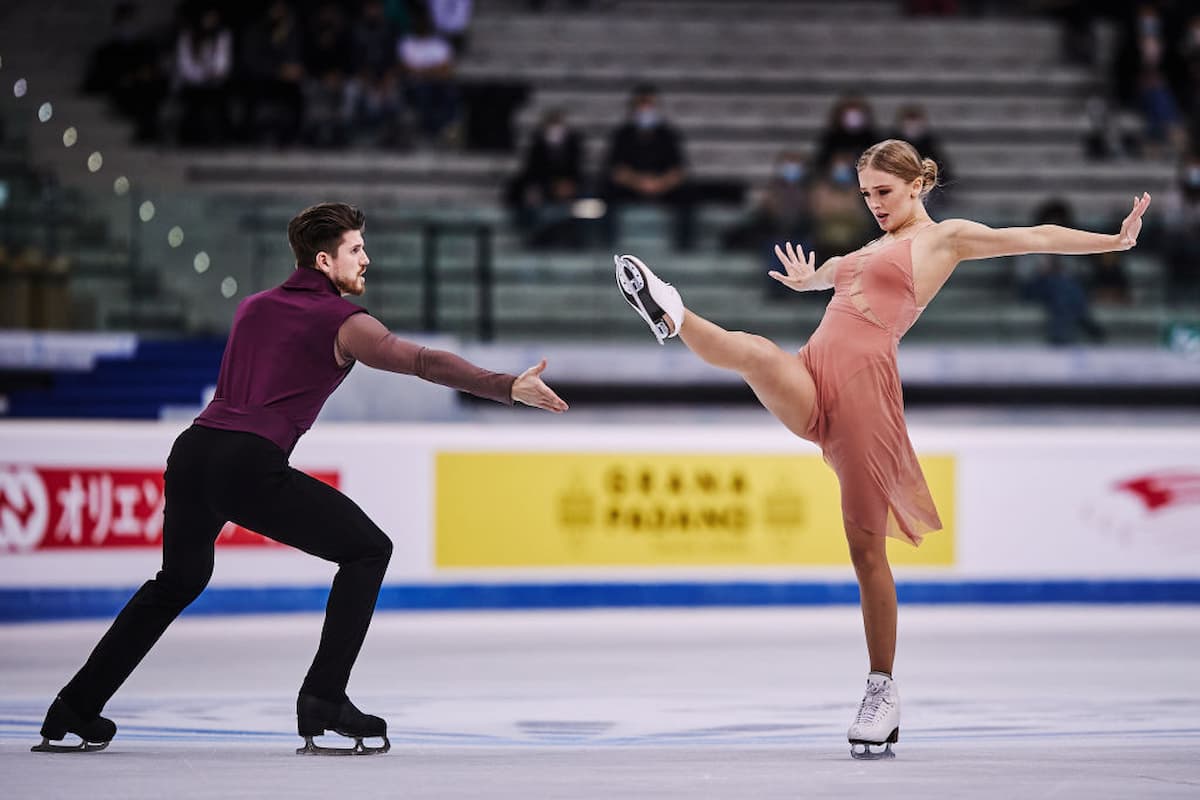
[(929, 173)]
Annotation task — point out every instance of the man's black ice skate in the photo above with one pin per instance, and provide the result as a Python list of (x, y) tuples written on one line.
[(314, 716), (94, 734)]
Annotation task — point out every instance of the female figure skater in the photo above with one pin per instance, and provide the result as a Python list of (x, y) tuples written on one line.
[(842, 390)]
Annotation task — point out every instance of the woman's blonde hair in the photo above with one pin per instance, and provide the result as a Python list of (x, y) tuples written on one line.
[(898, 157)]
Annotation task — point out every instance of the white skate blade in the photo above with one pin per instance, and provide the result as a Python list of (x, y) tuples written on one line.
[(632, 284), (861, 749), (359, 749), (863, 752)]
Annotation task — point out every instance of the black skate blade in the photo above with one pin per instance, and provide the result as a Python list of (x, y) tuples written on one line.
[(636, 291), (359, 749), (83, 747)]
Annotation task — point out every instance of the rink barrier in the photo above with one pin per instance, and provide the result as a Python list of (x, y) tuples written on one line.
[(60, 603), (589, 516)]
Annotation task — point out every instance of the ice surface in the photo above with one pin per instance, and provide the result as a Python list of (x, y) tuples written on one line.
[(1013, 703)]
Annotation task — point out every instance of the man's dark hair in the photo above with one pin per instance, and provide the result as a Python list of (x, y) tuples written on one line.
[(642, 91), (319, 229)]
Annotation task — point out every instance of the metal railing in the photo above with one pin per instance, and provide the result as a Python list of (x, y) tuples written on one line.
[(432, 233)]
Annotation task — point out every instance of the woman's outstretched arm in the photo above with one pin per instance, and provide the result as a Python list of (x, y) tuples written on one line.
[(972, 240)]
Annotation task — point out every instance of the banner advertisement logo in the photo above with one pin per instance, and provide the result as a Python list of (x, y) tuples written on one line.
[(59, 508), (597, 509), (1156, 511)]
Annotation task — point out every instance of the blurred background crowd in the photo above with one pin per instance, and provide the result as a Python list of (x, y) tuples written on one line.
[(568, 130)]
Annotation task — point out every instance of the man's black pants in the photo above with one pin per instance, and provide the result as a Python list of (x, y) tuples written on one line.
[(215, 476)]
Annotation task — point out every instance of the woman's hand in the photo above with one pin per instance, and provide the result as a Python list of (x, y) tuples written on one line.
[(800, 270), (1132, 225), (529, 389)]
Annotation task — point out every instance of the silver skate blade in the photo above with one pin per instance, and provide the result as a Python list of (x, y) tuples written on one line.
[(83, 747), (863, 752), (359, 749)]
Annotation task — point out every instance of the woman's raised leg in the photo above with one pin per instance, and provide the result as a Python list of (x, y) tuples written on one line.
[(779, 379)]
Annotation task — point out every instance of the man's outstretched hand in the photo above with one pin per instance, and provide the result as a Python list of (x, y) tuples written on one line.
[(529, 389)]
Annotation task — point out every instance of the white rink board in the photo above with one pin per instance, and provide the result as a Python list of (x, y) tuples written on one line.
[(1032, 503)]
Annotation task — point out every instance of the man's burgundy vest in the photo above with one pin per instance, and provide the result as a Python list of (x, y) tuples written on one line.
[(279, 365)]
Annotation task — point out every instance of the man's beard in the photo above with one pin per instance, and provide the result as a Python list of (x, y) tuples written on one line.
[(352, 286)]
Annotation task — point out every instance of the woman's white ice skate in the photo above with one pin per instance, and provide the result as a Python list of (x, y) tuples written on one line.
[(877, 724), (655, 300)]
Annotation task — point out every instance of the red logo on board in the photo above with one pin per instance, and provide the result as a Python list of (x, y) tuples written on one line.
[(57, 508), (1160, 490)]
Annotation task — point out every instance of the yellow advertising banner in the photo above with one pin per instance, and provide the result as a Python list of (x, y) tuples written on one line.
[(497, 509)]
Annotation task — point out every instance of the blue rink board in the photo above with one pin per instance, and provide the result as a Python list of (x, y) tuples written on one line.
[(32, 604)]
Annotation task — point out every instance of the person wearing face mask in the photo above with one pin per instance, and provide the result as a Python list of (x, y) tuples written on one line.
[(782, 212), (850, 130), (1146, 72), (549, 181), (646, 164), (839, 221), (1189, 75), (1181, 233), (912, 126), (1058, 283)]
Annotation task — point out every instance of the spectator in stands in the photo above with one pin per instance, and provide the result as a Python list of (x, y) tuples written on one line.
[(1189, 77), (373, 99), (128, 70), (541, 195), (272, 74), (1145, 65), (931, 8), (1052, 281), (1110, 282), (912, 126), (850, 131), (540, 5), (1104, 138), (840, 219), (1077, 21), (452, 19), (327, 61), (1181, 233), (427, 62), (781, 213), (646, 164), (203, 65)]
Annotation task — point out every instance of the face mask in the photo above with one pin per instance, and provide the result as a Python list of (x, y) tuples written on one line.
[(854, 119), (646, 118), (913, 130), (842, 174), (555, 135), (791, 172)]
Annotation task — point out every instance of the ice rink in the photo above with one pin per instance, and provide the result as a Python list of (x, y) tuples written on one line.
[(1020, 702)]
